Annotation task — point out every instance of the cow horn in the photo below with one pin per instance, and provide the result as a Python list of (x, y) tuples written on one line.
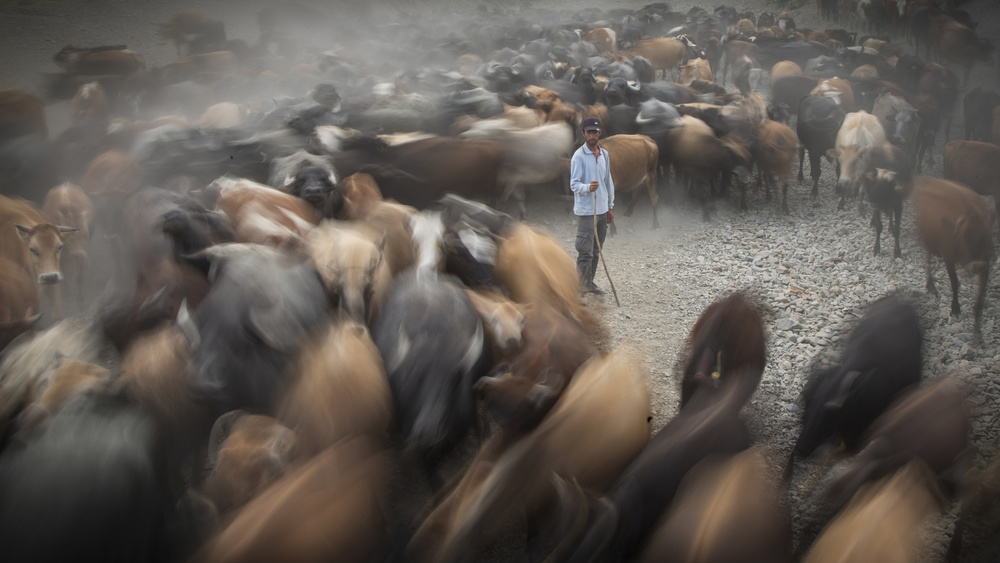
[(68, 229), (220, 431)]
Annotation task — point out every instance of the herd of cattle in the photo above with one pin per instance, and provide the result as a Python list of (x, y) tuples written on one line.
[(287, 284)]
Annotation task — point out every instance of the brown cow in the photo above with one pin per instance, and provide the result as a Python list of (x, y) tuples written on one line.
[(782, 69), (340, 390), (153, 375), (21, 114), (58, 386), (534, 268), (503, 321), (839, 89), (978, 512), (261, 214), (881, 523), (89, 102), (726, 341), (67, 204), (725, 510), (360, 191), (247, 453), (956, 224), (18, 301), (96, 61), (604, 37), (33, 243), (696, 69), (605, 408), (774, 154), (114, 173), (634, 160), (527, 383), (665, 53), (929, 424), (393, 220), (976, 165), (328, 509), (960, 45), (352, 268)]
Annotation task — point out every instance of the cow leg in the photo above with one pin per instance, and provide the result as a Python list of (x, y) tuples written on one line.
[(784, 197), (654, 199), (815, 163), (930, 280), (802, 160), (877, 223), (634, 196), (953, 278), (977, 310), (897, 252)]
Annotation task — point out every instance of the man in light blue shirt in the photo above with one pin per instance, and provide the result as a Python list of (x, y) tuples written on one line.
[(590, 175)]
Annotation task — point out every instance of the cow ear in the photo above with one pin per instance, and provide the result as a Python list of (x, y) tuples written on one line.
[(282, 444), (220, 431), (843, 390)]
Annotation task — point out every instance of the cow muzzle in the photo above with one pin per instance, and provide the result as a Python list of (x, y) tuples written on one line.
[(49, 278)]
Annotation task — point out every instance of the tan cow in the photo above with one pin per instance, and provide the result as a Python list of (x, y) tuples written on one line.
[(340, 390), (665, 53), (881, 523), (263, 215), (67, 204), (325, 510), (634, 160), (351, 265), (30, 241)]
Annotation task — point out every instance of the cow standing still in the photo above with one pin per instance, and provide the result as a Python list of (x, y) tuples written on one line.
[(634, 160), (30, 241)]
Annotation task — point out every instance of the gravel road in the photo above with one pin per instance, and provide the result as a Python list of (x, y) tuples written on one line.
[(813, 268)]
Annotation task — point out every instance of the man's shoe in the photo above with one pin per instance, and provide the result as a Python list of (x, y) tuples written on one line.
[(592, 288)]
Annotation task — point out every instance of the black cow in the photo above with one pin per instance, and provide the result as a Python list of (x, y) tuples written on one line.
[(881, 359), (252, 323), (309, 177), (886, 179), (89, 485), (434, 350), (978, 109), (819, 121)]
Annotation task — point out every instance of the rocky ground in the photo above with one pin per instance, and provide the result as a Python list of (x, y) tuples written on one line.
[(813, 269)]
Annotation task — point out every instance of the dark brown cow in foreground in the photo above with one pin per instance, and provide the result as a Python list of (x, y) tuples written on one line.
[(726, 341), (21, 114), (956, 224), (930, 424), (634, 160)]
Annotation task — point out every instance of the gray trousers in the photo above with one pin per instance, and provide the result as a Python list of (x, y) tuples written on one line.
[(588, 256)]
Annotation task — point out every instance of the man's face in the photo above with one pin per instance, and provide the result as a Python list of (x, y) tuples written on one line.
[(591, 137)]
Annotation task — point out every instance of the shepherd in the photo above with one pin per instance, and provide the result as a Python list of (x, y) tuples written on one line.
[(594, 201)]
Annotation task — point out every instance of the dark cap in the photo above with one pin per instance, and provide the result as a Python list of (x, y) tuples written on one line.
[(591, 124)]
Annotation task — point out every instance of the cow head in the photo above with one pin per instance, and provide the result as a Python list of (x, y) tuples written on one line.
[(973, 241), (316, 185), (45, 243)]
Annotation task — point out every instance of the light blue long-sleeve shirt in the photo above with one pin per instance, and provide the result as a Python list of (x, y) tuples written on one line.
[(584, 168)]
